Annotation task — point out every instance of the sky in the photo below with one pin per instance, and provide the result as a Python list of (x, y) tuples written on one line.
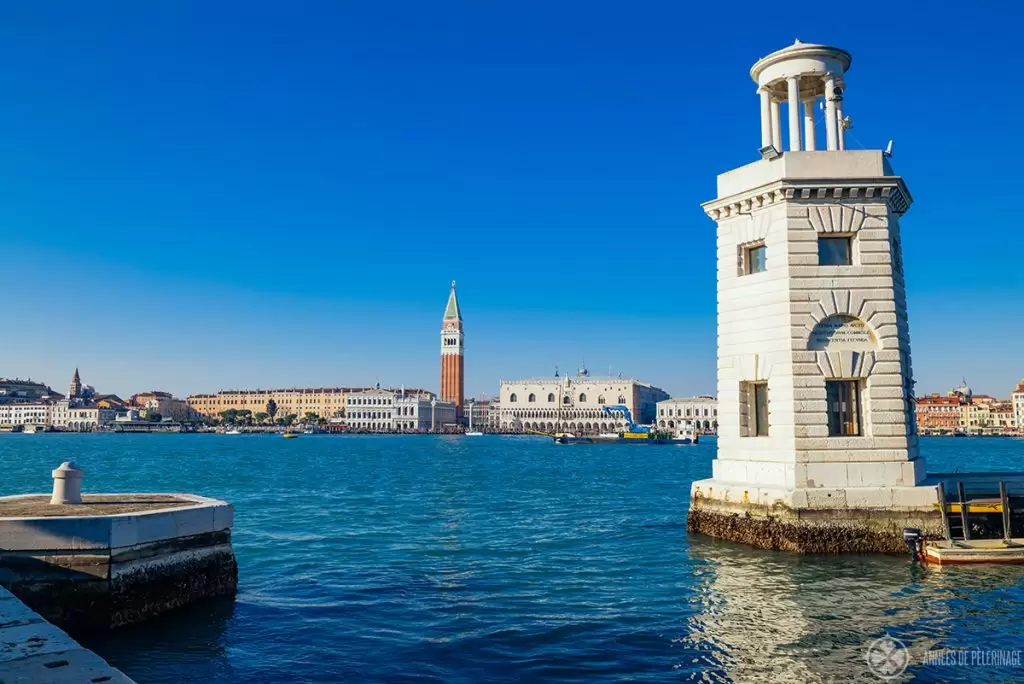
[(197, 196)]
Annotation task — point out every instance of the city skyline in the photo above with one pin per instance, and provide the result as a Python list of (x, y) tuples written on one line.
[(193, 211)]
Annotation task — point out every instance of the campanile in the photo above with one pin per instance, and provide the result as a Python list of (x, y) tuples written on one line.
[(452, 349)]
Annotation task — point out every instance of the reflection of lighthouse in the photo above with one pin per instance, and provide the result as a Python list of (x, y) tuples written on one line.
[(816, 410), (780, 617)]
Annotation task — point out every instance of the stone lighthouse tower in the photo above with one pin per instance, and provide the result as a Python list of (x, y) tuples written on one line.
[(452, 348), (817, 446)]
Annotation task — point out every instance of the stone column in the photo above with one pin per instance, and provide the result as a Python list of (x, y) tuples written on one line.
[(840, 131), (766, 117), (831, 132), (793, 108), (809, 143), (776, 125)]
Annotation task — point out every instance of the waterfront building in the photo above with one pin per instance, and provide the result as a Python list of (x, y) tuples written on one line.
[(26, 413), (452, 352), (702, 410), (481, 411), (79, 417), (1001, 418), (938, 414), (815, 384), (1017, 399), (378, 410), (976, 416), (164, 404), (576, 404)]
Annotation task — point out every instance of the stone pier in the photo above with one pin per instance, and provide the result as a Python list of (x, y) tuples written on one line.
[(115, 559), (32, 651)]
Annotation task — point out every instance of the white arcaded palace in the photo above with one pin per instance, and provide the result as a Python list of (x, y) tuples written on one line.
[(579, 404), (702, 411)]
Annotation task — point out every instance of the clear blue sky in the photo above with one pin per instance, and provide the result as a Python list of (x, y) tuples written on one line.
[(200, 195)]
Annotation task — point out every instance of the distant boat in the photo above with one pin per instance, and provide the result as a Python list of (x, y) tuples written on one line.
[(290, 435), (233, 431), (30, 430), (473, 434)]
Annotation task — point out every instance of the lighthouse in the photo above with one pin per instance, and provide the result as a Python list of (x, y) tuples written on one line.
[(817, 447)]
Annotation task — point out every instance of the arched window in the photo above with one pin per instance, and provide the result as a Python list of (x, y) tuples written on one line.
[(600, 399), (532, 398), (551, 398), (512, 398), (566, 399), (583, 397), (622, 399)]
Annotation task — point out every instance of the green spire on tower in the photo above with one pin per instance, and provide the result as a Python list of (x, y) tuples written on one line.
[(452, 311)]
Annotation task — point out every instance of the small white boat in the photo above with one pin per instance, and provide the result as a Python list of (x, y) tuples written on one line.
[(473, 434), (233, 431), (30, 429)]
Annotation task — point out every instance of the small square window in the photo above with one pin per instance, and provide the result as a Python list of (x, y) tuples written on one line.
[(755, 258), (835, 251)]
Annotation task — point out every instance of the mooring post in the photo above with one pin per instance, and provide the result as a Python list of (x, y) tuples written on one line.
[(963, 509), (942, 510), (67, 484), (1006, 510)]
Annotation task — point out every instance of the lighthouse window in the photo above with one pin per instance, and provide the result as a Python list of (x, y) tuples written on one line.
[(760, 397), (843, 397), (834, 251), (755, 259)]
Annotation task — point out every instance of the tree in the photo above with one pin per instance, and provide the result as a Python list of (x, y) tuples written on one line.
[(260, 417), (289, 419), (271, 409), (310, 417), (153, 417), (229, 416)]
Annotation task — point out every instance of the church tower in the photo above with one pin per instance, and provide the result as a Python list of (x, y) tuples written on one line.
[(452, 348), (75, 389)]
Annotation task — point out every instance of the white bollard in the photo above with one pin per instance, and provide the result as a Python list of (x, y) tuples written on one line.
[(67, 484)]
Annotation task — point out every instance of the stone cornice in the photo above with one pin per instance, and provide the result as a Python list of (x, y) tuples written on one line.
[(888, 189)]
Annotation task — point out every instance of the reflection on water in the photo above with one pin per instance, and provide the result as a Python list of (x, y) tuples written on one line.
[(811, 618)]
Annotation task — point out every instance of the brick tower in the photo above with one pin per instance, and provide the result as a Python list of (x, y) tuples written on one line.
[(75, 389), (452, 348)]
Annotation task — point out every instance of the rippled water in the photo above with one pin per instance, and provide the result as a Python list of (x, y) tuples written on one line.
[(447, 559)]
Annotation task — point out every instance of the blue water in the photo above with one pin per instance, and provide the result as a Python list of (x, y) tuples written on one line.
[(447, 559)]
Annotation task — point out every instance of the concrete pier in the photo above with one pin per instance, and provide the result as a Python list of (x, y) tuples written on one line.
[(32, 651), (115, 559)]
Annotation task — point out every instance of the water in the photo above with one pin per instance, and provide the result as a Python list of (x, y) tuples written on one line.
[(446, 559)]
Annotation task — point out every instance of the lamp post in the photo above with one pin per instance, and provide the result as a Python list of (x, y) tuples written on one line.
[(433, 412)]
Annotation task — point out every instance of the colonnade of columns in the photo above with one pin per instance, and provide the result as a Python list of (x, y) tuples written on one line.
[(771, 117)]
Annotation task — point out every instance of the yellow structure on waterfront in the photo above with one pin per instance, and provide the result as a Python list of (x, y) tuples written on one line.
[(325, 402)]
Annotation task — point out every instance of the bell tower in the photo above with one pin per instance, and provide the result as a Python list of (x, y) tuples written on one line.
[(452, 348), (75, 388)]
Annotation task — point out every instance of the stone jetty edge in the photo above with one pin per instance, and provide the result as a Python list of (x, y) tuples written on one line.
[(33, 651), (99, 572), (804, 531)]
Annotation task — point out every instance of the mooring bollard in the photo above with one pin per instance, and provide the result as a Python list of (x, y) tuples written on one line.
[(67, 484)]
